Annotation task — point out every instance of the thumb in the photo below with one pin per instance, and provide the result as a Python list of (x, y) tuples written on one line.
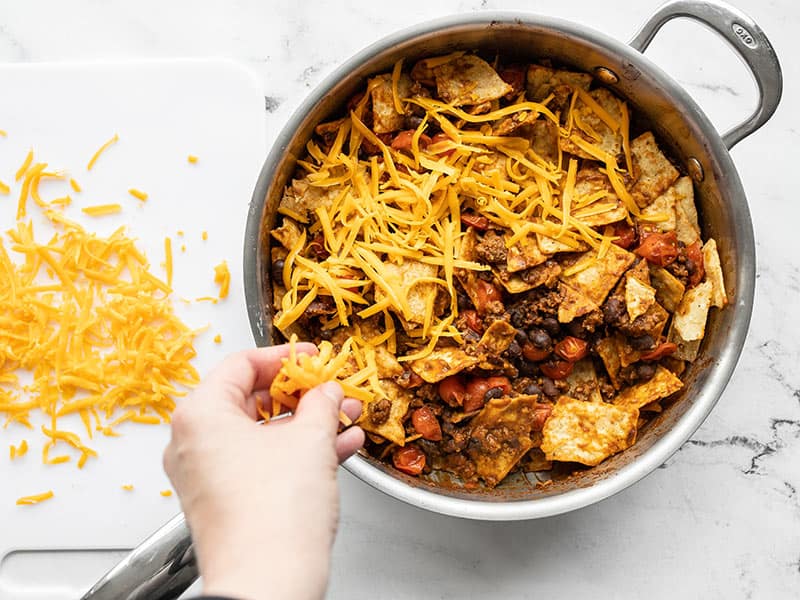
[(320, 406)]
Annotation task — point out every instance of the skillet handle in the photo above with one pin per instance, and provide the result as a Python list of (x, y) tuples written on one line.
[(160, 568), (744, 36)]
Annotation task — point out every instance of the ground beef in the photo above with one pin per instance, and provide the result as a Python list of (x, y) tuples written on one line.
[(379, 411), (533, 307), (640, 326), (679, 268), (492, 248)]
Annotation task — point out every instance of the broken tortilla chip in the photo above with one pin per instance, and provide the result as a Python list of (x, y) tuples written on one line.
[(669, 289), (639, 296), (378, 422), (500, 435), (410, 277), (588, 432), (386, 119), (468, 80), (714, 274), (654, 171), (661, 385), (692, 313), (595, 277)]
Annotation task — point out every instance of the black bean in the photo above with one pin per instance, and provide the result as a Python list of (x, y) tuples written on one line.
[(514, 350), (492, 393), (521, 337), (277, 270), (464, 302), (539, 338), (690, 266), (528, 369), (533, 389), (575, 328), (551, 326), (549, 387), (645, 371), (613, 310), (642, 342), (516, 316), (413, 121)]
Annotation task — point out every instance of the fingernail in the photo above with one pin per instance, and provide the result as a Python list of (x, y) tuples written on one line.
[(332, 390)]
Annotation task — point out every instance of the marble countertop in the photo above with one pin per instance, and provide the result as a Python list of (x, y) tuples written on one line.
[(722, 518)]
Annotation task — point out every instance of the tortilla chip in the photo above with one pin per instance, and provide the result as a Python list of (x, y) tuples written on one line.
[(609, 354), (660, 215), (573, 304), (469, 80), (544, 139), (392, 428), (288, 234), (407, 277), (687, 349), (654, 173), (669, 289), (541, 81), (627, 353), (442, 363), (601, 274), (602, 212), (714, 274), (516, 283), (588, 432), (535, 461), (583, 383), (301, 198), (659, 317), (639, 296), (610, 140), (687, 226), (551, 246), (524, 254), (386, 119), (496, 339), (691, 315), (501, 434), (661, 385)]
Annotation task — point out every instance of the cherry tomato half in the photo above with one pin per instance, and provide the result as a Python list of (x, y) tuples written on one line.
[(402, 141), (479, 222), (486, 293), (659, 249), (694, 253), (556, 369), (626, 235), (660, 351), (534, 354), (426, 424), (409, 459), (452, 390)]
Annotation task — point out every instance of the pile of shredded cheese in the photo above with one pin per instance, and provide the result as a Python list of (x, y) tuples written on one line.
[(85, 329), (396, 206)]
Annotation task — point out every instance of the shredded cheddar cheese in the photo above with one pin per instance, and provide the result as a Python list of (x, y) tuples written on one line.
[(168, 260), (204, 235), (93, 329), (100, 151), (138, 194), (166, 493), (24, 167), (192, 159), (35, 498), (218, 339), (302, 372), (4, 189), (75, 186), (100, 210), (222, 277), (18, 452), (127, 487)]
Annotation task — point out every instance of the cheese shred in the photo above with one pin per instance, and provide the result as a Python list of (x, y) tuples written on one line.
[(100, 151), (35, 498)]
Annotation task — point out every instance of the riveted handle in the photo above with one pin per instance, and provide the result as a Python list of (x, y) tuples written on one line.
[(744, 36)]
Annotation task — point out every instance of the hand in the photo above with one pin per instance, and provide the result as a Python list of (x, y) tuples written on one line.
[(261, 501)]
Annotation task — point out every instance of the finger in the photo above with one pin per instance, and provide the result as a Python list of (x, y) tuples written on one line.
[(348, 442), (319, 406), (239, 375), (352, 408)]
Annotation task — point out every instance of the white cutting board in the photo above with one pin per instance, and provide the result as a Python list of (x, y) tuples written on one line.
[(162, 111)]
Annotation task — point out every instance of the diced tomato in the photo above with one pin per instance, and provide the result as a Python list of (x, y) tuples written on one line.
[(486, 293), (694, 252), (572, 349), (402, 141), (659, 249), (426, 424), (409, 380), (660, 351), (452, 390), (540, 414), (473, 320), (479, 222), (534, 354), (499, 382), (556, 369), (626, 235), (513, 75), (409, 459), (442, 137)]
